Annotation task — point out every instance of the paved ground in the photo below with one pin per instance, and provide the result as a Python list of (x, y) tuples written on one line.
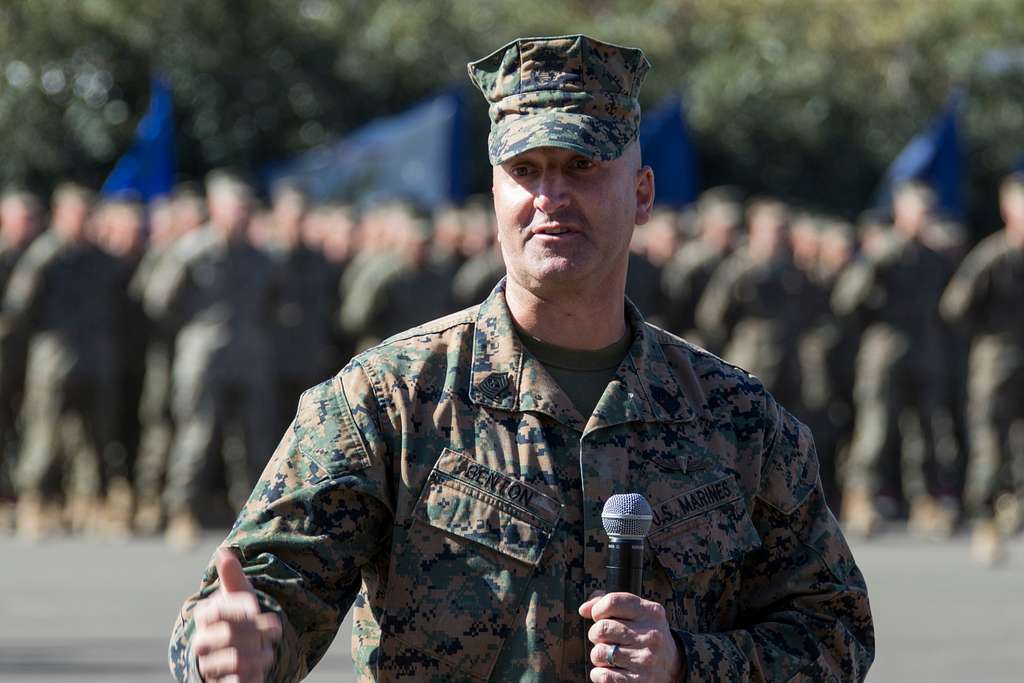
[(938, 617)]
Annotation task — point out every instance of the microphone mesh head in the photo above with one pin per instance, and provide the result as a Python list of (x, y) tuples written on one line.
[(627, 515)]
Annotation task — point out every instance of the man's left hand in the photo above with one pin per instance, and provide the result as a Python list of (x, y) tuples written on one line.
[(646, 649)]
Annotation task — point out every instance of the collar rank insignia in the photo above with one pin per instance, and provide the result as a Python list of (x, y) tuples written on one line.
[(495, 384)]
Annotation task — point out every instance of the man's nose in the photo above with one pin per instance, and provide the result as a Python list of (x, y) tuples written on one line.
[(551, 193)]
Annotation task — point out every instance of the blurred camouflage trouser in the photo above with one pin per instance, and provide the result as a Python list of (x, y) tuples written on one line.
[(73, 418), (239, 416), (156, 421), (896, 395), (996, 417), (10, 400)]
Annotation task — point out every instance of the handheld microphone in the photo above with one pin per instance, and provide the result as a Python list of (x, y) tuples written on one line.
[(626, 518)]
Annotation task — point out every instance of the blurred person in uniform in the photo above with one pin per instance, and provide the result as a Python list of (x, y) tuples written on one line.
[(948, 238), (483, 266), (717, 220), (335, 229), (305, 307), (748, 306), (119, 224), (894, 290), (404, 288), (983, 299), (65, 295), (643, 277), (448, 233), (828, 347), (20, 222), (170, 220), (218, 290), (449, 482)]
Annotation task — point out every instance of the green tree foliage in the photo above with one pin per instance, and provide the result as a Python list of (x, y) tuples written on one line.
[(809, 99)]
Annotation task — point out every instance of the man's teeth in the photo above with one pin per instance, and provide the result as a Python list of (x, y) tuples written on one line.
[(559, 231)]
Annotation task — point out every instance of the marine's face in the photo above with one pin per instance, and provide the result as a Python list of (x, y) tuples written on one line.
[(565, 220)]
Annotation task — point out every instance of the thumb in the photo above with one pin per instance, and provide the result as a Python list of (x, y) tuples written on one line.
[(229, 569)]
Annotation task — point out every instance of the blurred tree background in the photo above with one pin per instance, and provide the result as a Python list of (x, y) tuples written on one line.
[(807, 99)]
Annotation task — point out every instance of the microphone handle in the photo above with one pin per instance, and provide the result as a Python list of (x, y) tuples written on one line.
[(625, 566)]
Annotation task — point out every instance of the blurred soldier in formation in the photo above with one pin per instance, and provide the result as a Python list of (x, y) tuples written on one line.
[(647, 257), (20, 219), (482, 265), (333, 230), (399, 288), (219, 289), (305, 307), (170, 220), (119, 225), (687, 275), (984, 299), (748, 306), (823, 248), (65, 295), (895, 291)]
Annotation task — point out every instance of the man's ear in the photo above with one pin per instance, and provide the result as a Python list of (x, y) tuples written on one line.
[(644, 195)]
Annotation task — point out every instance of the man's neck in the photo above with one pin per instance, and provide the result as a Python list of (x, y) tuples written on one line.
[(582, 321)]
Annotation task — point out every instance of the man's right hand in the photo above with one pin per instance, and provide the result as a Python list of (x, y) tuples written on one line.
[(234, 641)]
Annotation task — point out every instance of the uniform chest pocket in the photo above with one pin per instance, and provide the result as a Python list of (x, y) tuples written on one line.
[(462, 567), (699, 539), (702, 527)]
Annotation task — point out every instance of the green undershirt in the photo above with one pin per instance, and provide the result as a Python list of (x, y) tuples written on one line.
[(582, 375)]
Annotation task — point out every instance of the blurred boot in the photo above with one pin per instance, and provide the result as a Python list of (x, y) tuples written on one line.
[(183, 530), (36, 519), (149, 517), (120, 507), (928, 519), (859, 515), (84, 514), (987, 546), (1009, 514), (8, 517)]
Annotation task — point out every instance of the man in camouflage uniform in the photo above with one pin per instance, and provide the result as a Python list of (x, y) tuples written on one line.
[(688, 273), (984, 299), (19, 225), (402, 287), (894, 291), (218, 289), (304, 309), (65, 296), (450, 481), (749, 306)]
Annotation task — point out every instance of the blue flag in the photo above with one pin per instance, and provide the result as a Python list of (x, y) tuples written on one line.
[(147, 169), (666, 147), (936, 157), (413, 156)]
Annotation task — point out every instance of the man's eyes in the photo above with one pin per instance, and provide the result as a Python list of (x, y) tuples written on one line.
[(582, 163)]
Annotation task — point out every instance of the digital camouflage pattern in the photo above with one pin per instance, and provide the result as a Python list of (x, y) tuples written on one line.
[(445, 486), (984, 299), (894, 293), (572, 92)]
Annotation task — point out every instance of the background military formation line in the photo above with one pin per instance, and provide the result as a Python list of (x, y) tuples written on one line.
[(149, 360)]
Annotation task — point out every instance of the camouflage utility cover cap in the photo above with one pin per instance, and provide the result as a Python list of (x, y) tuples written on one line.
[(572, 92)]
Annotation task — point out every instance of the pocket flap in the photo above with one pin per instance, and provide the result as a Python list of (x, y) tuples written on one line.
[(510, 518), (703, 527)]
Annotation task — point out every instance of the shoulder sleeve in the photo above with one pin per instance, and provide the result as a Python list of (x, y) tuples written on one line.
[(319, 514)]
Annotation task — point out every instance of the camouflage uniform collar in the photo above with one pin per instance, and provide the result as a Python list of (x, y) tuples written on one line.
[(505, 376)]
